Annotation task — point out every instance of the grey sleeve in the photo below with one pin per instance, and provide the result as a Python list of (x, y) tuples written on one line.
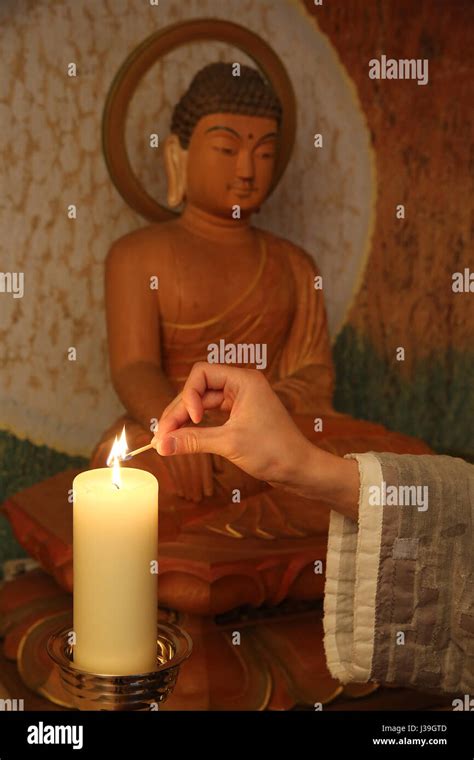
[(399, 600)]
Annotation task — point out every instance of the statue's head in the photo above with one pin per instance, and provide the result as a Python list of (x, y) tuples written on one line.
[(224, 141)]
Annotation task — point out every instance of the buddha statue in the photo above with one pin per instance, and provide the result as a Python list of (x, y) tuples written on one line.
[(230, 291)]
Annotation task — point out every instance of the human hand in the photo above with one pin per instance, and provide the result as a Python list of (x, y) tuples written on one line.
[(259, 435)]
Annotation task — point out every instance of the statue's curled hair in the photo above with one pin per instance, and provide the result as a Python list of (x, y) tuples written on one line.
[(215, 89)]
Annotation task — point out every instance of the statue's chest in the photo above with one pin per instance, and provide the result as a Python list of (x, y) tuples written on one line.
[(228, 288)]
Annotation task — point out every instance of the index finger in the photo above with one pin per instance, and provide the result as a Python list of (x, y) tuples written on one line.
[(205, 378), (179, 412), (174, 416), (204, 389)]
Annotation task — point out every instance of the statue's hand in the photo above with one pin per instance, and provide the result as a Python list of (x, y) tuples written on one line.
[(192, 476), (212, 418)]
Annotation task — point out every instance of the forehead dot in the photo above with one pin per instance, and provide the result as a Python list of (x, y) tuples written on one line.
[(250, 136)]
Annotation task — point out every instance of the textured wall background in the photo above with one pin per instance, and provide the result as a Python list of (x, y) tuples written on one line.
[(51, 131)]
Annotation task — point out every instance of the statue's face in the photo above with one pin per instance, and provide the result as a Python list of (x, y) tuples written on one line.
[(231, 158)]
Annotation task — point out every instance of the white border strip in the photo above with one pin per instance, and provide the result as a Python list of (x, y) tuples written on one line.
[(351, 581)]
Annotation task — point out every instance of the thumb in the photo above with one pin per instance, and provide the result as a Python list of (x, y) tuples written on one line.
[(195, 440)]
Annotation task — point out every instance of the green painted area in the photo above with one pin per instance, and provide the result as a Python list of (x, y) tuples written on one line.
[(436, 404), (21, 465), (9, 546)]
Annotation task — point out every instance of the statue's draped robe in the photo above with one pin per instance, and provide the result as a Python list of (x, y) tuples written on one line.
[(399, 596), (281, 308)]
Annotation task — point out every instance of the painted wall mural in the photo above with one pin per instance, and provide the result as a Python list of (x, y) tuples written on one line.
[(54, 158)]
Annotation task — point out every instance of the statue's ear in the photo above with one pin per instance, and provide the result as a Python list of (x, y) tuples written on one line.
[(175, 165)]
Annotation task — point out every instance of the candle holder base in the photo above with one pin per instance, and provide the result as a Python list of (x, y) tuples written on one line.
[(145, 691)]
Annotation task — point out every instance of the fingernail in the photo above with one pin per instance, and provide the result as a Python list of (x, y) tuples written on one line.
[(168, 446)]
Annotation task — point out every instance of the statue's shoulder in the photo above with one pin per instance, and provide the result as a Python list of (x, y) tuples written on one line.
[(146, 240), (280, 246)]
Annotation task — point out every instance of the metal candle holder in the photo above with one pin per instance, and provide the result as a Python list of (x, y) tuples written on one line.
[(144, 691)]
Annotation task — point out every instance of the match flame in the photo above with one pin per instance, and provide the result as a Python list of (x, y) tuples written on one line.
[(117, 452)]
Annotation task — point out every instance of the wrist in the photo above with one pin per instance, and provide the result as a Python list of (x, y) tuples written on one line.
[(317, 474)]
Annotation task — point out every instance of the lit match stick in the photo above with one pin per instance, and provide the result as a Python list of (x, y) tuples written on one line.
[(137, 451)]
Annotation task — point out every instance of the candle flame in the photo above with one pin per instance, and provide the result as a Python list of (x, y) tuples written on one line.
[(117, 452)]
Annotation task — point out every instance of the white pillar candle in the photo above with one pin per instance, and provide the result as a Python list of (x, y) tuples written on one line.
[(115, 545)]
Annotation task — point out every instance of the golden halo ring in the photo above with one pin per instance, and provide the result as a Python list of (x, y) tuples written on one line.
[(140, 61)]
